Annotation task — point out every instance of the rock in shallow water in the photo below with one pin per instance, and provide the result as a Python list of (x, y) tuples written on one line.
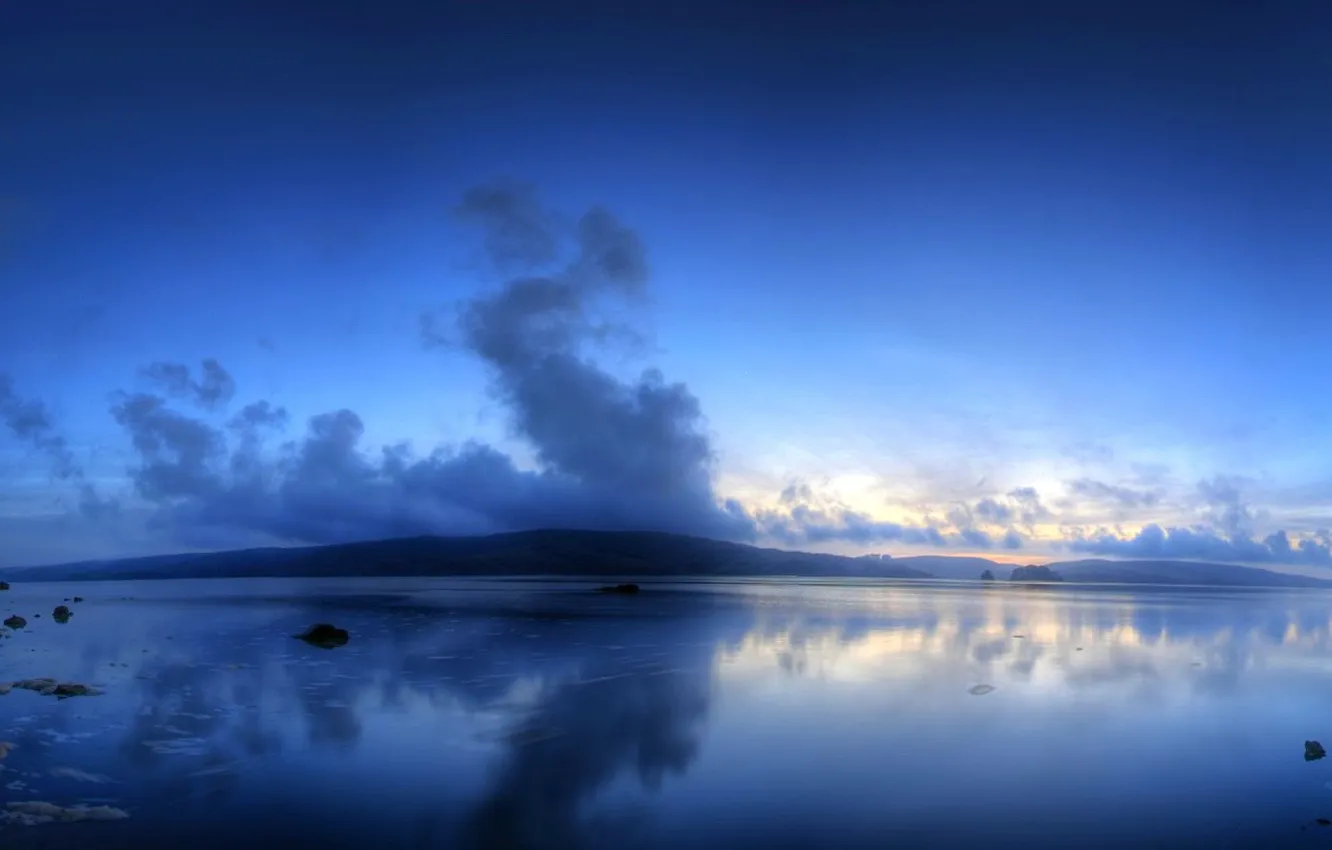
[(15, 622), (51, 688), (325, 636), (38, 812)]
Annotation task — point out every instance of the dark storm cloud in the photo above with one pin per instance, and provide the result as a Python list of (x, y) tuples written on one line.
[(31, 422), (1205, 544), (612, 454), (1124, 497), (520, 233)]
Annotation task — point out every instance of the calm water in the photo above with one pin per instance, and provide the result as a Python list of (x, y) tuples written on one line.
[(529, 714)]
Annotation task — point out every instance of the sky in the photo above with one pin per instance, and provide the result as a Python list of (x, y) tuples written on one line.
[(1029, 280)]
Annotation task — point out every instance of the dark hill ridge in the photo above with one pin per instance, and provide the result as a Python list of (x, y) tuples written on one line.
[(621, 553), (561, 553)]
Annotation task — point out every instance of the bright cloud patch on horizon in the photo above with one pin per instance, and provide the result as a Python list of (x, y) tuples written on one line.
[(213, 467)]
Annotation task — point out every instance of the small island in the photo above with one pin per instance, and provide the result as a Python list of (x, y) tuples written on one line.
[(1035, 573), (987, 576)]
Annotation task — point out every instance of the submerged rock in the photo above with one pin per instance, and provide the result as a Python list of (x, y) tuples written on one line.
[(325, 636), (980, 690), (62, 613), (619, 588), (15, 622), (1313, 751)]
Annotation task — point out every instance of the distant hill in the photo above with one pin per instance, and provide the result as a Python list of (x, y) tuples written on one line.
[(561, 553), (611, 553), (1181, 572), (1118, 572), (956, 567)]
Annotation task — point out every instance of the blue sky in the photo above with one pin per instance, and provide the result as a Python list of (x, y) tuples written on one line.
[(946, 279)]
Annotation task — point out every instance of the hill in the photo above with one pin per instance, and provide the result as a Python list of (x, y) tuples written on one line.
[(561, 553), (1181, 572), (628, 553)]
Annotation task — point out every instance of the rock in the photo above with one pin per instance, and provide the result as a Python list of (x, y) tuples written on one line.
[(78, 598), (51, 688), (1323, 821), (4, 585), (38, 812), (980, 690), (73, 689), (987, 576), (325, 636), (619, 588), (62, 614), (1313, 751), (15, 622)]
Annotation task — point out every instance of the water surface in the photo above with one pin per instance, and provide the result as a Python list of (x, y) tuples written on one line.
[(703, 714)]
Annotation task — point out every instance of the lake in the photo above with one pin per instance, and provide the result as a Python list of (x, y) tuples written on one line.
[(700, 714)]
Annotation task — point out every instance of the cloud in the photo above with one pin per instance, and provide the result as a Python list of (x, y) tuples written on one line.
[(214, 388), (1020, 506), (1205, 544), (1123, 497), (610, 453), (31, 422), (994, 512), (802, 524), (1226, 508), (976, 539), (1032, 510)]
